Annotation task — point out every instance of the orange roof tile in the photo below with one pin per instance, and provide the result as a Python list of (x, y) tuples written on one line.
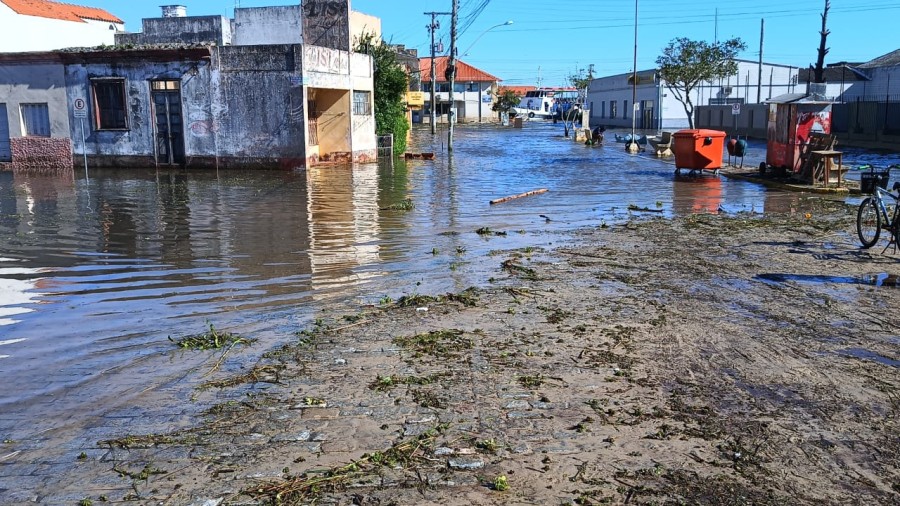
[(59, 10), (464, 71), (518, 90)]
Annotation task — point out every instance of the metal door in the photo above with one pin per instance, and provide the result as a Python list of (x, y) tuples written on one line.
[(166, 97), (647, 115), (5, 151)]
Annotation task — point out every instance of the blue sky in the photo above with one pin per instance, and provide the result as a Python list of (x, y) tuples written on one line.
[(551, 40)]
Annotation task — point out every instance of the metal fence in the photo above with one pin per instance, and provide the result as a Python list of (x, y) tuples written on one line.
[(386, 146), (862, 117)]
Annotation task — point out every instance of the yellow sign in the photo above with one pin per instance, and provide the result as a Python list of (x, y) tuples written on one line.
[(415, 98)]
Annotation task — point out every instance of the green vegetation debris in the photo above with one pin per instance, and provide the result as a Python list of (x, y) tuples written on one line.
[(212, 340)]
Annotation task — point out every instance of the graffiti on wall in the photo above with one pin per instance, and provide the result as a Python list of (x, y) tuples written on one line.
[(321, 59), (326, 23)]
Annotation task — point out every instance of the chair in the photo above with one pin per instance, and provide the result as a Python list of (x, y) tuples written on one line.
[(662, 146)]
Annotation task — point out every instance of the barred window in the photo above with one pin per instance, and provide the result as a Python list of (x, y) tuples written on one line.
[(109, 104), (362, 105)]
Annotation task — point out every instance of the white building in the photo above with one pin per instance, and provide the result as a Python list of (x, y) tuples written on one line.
[(881, 80), (472, 94), (611, 99), (40, 25)]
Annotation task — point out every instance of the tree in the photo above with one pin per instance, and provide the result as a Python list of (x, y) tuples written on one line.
[(505, 100), (820, 62), (390, 86), (686, 63)]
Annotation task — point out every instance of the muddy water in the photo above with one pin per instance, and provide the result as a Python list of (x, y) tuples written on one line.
[(96, 273)]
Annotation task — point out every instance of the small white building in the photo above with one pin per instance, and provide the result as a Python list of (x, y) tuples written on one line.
[(611, 99), (41, 25)]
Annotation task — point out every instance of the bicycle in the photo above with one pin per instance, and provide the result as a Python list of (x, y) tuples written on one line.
[(873, 215)]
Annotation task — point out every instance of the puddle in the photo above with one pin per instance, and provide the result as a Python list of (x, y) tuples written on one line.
[(864, 354), (881, 280)]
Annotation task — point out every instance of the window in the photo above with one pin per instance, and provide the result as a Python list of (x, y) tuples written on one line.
[(165, 85), (624, 109), (109, 104), (35, 120), (362, 106), (612, 109), (473, 87)]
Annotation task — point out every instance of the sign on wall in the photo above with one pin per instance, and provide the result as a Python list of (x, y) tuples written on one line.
[(415, 98), (79, 108)]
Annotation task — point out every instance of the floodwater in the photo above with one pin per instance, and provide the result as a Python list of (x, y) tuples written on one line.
[(96, 273)]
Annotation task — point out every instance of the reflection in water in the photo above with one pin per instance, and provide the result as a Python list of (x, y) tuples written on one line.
[(343, 217), (107, 268), (700, 194)]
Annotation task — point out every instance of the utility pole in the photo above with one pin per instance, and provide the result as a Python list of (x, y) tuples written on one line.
[(632, 147), (762, 34), (451, 71), (435, 25)]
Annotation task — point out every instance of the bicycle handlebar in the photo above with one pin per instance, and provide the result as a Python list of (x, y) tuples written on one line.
[(869, 166)]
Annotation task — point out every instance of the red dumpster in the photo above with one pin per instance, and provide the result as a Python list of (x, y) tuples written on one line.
[(697, 150)]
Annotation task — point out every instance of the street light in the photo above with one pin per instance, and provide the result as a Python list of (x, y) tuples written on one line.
[(466, 52)]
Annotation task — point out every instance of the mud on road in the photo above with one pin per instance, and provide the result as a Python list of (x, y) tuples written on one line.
[(711, 359)]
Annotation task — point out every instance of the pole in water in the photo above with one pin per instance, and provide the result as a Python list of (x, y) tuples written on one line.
[(84, 150)]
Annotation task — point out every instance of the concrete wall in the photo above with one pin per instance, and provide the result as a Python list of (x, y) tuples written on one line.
[(327, 68), (35, 83), (31, 33), (326, 23), (188, 30), (361, 24), (364, 142), (262, 115), (268, 25), (751, 122)]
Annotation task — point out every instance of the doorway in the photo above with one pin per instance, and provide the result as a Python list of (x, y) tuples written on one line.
[(5, 151), (647, 120), (166, 96)]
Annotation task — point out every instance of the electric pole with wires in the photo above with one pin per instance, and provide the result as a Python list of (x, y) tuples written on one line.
[(451, 72), (435, 25)]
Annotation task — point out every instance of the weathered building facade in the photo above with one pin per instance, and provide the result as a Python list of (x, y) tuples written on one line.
[(183, 93)]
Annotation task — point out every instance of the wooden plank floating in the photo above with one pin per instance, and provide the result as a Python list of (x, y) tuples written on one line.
[(513, 197)]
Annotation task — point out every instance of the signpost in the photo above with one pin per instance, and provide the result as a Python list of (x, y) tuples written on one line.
[(79, 109), (735, 109)]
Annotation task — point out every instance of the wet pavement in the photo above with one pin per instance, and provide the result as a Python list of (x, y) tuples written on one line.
[(96, 274)]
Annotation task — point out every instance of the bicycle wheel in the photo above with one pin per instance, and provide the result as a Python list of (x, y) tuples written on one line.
[(868, 223)]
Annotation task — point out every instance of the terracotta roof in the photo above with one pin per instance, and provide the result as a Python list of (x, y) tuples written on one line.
[(464, 71), (59, 10), (518, 90)]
